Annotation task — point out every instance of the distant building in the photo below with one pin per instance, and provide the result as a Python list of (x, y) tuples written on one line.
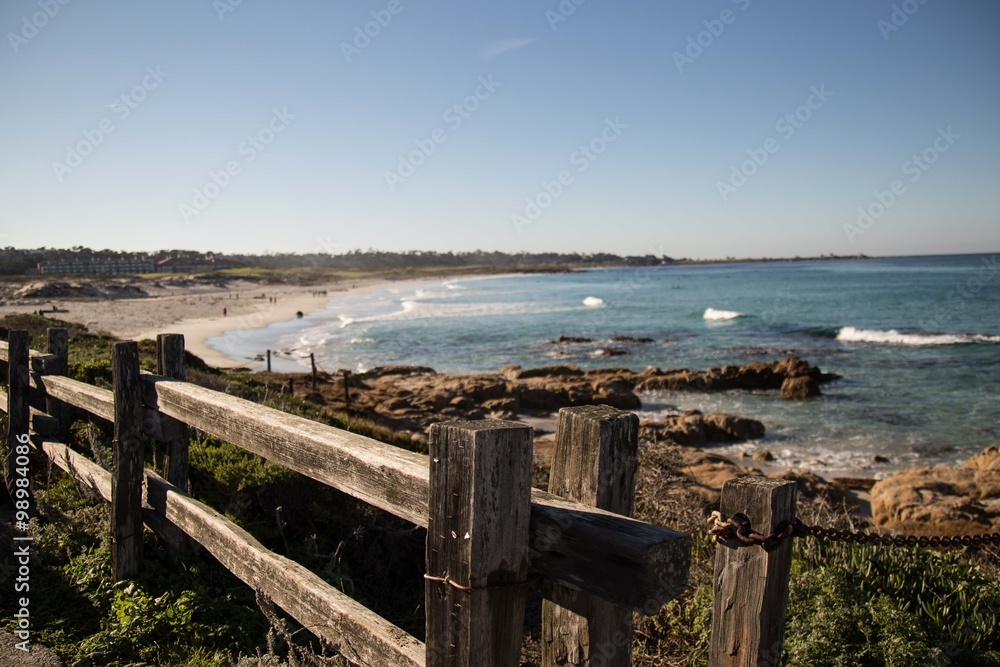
[(178, 264), (115, 266)]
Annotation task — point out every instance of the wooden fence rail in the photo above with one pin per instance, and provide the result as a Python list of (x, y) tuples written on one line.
[(488, 530)]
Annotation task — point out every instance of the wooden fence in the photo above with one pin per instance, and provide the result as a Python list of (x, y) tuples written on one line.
[(488, 531)]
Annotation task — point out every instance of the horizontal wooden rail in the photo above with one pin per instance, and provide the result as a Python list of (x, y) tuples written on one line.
[(359, 634), (41, 422), (4, 352), (619, 559), (96, 401)]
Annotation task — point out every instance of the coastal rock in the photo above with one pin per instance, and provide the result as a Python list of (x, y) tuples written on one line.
[(708, 472), (797, 388), (942, 500), (502, 408), (694, 428), (731, 428), (631, 339), (988, 459), (812, 486), (617, 394), (763, 455), (755, 375), (563, 340), (611, 352), (383, 371), (518, 373)]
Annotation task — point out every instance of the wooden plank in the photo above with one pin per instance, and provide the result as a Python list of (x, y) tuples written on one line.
[(595, 462), (628, 562), (359, 633), (375, 472), (477, 543), (82, 469), (96, 401), (126, 478), (750, 586), (46, 364), (4, 352), (59, 349), (18, 410), (356, 632), (41, 423)]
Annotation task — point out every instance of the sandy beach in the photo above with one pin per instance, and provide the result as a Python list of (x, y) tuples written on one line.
[(199, 312)]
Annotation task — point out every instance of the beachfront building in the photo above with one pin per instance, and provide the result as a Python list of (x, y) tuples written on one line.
[(112, 266)]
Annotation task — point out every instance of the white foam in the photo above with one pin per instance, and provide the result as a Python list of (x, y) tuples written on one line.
[(893, 337), (713, 314), (593, 302)]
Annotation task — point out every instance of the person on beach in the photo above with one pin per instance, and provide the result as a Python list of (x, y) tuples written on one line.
[(225, 311)]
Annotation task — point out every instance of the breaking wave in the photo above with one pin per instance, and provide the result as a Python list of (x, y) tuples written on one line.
[(894, 337), (713, 314)]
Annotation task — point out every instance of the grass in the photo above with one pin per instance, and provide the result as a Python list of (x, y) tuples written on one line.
[(849, 604)]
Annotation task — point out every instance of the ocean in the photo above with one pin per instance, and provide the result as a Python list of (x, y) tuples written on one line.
[(915, 339)]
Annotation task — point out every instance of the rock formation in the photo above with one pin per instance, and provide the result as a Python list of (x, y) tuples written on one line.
[(942, 500)]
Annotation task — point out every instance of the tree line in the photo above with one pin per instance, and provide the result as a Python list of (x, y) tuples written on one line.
[(14, 261)]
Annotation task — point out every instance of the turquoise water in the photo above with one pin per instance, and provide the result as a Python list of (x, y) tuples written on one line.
[(916, 339)]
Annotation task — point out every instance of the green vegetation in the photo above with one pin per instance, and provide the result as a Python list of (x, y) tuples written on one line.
[(849, 604), (852, 605)]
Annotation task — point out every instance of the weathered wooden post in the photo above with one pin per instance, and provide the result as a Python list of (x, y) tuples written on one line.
[(477, 543), (58, 346), (18, 410), (750, 587), (312, 361), (594, 463), (170, 364), (269, 361), (128, 457)]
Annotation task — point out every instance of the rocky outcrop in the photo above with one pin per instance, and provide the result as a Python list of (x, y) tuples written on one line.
[(413, 397), (694, 428), (942, 500), (705, 473), (518, 373), (800, 387), (565, 340), (631, 339), (755, 375)]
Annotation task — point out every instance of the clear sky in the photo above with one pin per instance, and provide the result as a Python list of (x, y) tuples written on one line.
[(693, 129)]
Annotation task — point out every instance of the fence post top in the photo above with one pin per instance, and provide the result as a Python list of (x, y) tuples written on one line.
[(758, 481), (479, 425), (596, 411)]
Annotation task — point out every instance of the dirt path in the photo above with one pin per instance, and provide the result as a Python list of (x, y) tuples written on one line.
[(38, 656)]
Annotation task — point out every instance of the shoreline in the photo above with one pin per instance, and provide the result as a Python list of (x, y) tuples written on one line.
[(196, 310), (198, 331)]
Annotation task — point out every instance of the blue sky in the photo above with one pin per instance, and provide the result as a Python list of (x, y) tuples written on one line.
[(693, 129)]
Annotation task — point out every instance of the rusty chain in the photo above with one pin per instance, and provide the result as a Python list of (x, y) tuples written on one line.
[(739, 528)]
